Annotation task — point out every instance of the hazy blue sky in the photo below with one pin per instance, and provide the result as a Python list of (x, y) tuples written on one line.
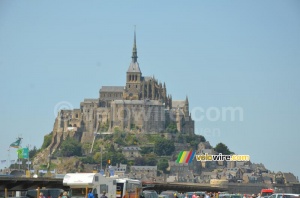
[(241, 54)]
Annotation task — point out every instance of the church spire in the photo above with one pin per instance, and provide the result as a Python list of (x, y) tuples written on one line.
[(186, 100), (134, 50)]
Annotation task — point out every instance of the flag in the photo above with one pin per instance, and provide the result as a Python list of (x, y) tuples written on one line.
[(29, 162), (3, 161), (19, 162), (16, 144), (20, 153), (12, 161), (25, 153)]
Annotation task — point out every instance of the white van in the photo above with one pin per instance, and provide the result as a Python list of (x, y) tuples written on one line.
[(284, 195)]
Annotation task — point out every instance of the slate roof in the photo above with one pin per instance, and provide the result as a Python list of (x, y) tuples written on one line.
[(138, 102), (134, 67), (148, 78), (112, 89)]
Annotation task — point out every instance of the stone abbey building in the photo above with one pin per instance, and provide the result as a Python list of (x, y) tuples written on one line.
[(141, 106)]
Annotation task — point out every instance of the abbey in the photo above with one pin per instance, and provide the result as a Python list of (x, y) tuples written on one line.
[(141, 106)]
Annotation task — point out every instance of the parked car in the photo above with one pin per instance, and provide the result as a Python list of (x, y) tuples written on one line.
[(163, 196), (266, 192), (198, 193), (230, 196), (53, 192), (170, 193), (150, 194)]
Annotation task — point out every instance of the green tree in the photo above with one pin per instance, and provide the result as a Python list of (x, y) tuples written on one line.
[(222, 148), (163, 165), (139, 161), (97, 157), (47, 140), (70, 147), (180, 138), (33, 152), (88, 160), (146, 150), (172, 128), (164, 147), (151, 159), (115, 158)]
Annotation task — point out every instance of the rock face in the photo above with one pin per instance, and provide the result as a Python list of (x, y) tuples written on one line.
[(141, 105)]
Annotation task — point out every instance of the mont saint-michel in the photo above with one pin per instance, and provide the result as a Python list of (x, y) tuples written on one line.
[(142, 104)]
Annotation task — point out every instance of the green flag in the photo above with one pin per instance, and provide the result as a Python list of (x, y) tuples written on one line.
[(20, 153), (16, 144), (25, 153)]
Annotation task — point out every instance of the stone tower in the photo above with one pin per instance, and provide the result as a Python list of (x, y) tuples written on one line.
[(133, 76), (186, 107)]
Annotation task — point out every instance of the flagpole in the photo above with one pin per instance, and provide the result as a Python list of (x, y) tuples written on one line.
[(19, 162), (8, 161), (28, 157)]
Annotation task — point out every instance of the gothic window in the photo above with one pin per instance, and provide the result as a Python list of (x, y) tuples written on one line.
[(135, 86), (76, 115)]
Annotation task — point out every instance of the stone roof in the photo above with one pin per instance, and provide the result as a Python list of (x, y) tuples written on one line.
[(178, 103), (209, 151), (175, 164), (90, 100), (131, 148), (134, 67), (148, 78), (290, 178), (112, 89), (143, 167), (138, 102), (207, 173)]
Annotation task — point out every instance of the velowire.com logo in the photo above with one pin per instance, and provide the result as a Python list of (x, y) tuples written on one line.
[(188, 156)]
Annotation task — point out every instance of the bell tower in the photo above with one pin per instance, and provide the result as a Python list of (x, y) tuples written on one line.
[(133, 76)]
